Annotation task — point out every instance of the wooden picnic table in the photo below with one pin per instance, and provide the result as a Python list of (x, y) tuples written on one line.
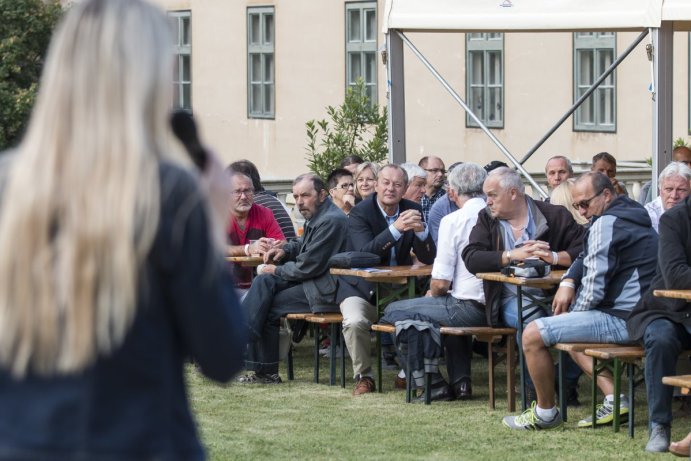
[(246, 261), (677, 294)]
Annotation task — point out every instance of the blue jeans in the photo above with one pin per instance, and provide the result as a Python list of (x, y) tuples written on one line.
[(450, 312), (593, 326), (663, 340), (509, 312)]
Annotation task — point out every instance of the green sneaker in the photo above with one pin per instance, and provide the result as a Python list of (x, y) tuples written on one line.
[(530, 421), (605, 414)]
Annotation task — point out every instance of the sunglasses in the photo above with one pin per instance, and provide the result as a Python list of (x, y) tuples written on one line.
[(586, 203)]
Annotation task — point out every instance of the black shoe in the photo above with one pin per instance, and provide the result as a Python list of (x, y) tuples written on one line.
[(463, 390), (441, 392), (260, 378), (389, 361)]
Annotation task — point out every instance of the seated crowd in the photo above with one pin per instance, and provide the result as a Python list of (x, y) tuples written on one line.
[(478, 220)]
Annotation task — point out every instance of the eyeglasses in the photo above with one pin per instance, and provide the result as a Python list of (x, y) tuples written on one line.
[(435, 170), (586, 203), (238, 193), (345, 186)]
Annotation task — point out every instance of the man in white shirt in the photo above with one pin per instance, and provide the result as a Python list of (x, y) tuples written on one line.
[(673, 185), (460, 303)]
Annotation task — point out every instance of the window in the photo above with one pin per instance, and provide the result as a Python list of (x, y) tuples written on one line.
[(361, 46), (260, 63), (593, 53), (182, 70), (485, 78)]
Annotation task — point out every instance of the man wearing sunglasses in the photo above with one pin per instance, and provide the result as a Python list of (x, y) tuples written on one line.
[(594, 299)]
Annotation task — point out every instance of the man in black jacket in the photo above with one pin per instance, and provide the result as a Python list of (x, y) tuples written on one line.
[(389, 226), (301, 282), (664, 324)]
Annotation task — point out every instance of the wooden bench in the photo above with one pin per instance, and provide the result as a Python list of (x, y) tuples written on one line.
[(335, 321), (683, 381), (564, 349), (289, 359), (485, 334), (612, 358)]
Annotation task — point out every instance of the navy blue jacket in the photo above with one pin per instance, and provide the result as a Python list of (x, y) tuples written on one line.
[(618, 259), (132, 404)]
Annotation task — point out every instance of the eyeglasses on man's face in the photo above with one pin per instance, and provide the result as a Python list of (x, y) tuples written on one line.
[(345, 186), (586, 203), (240, 192)]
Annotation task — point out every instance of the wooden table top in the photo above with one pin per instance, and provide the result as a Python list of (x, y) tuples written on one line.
[(678, 294), (388, 274), (246, 261), (549, 281), (679, 381)]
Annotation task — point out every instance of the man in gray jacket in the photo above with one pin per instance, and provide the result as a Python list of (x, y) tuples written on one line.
[(301, 282)]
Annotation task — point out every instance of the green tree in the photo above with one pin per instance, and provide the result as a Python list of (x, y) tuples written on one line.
[(356, 127), (25, 31)]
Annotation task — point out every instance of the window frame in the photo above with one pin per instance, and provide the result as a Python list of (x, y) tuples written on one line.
[(363, 48), (264, 49), (488, 42), (600, 41), (180, 51)]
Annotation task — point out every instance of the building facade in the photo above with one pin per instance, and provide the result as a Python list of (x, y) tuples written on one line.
[(253, 72)]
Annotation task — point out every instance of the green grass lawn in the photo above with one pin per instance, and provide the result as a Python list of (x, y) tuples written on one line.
[(303, 420)]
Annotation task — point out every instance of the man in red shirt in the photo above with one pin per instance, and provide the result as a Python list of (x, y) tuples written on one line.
[(252, 230)]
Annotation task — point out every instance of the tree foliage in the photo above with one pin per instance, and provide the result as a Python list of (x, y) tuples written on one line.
[(25, 31), (356, 127)]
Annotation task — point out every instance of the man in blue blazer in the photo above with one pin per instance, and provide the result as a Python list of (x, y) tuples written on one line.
[(390, 226)]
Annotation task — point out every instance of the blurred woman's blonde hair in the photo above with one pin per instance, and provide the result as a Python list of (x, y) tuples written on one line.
[(81, 203), (562, 195)]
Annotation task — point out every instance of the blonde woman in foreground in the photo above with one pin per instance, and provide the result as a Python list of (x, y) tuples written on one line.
[(110, 277), (561, 195)]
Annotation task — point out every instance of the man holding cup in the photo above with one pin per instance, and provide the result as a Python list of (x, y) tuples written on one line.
[(252, 230)]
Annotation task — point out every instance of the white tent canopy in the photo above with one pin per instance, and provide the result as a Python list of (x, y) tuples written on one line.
[(529, 15)]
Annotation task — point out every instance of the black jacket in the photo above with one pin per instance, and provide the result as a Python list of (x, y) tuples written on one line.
[(554, 224), (673, 272), (368, 231)]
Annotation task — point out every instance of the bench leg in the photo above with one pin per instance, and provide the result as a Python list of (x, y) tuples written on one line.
[(511, 372), (289, 362), (341, 341), (428, 388), (630, 368), (562, 398), (379, 364), (490, 365), (333, 340), (408, 381), (593, 393), (617, 392), (316, 357)]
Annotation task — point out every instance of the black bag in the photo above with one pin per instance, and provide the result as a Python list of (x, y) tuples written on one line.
[(350, 259), (530, 268)]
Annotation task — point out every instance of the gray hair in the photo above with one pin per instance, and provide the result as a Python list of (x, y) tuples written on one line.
[(414, 171), (675, 169), (467, 179), (569, 165), (508, 179)]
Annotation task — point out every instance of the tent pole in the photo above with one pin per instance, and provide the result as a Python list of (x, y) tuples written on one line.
[(445, 84), (663, 49), (396, 98), (584, 96)]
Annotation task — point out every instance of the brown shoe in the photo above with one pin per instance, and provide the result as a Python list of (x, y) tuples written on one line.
[(364, 385), (399, 383)]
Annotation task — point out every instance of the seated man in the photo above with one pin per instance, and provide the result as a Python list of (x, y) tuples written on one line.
[(604, 283), (342, 189), (417, 182), (301, 283), (557, 170), (434, 189), (455, 298), (249, 222), (679, 154), (440, 209), (664, 324), (606, 164), (390, 226), (266, 198), (673, 185), (514, 227)]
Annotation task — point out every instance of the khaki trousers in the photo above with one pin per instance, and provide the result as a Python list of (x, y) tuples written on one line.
[(358, 317)]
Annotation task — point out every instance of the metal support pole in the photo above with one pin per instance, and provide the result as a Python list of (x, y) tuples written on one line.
[(465, 107), (662, 52), (396, 98), (585, 95)]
